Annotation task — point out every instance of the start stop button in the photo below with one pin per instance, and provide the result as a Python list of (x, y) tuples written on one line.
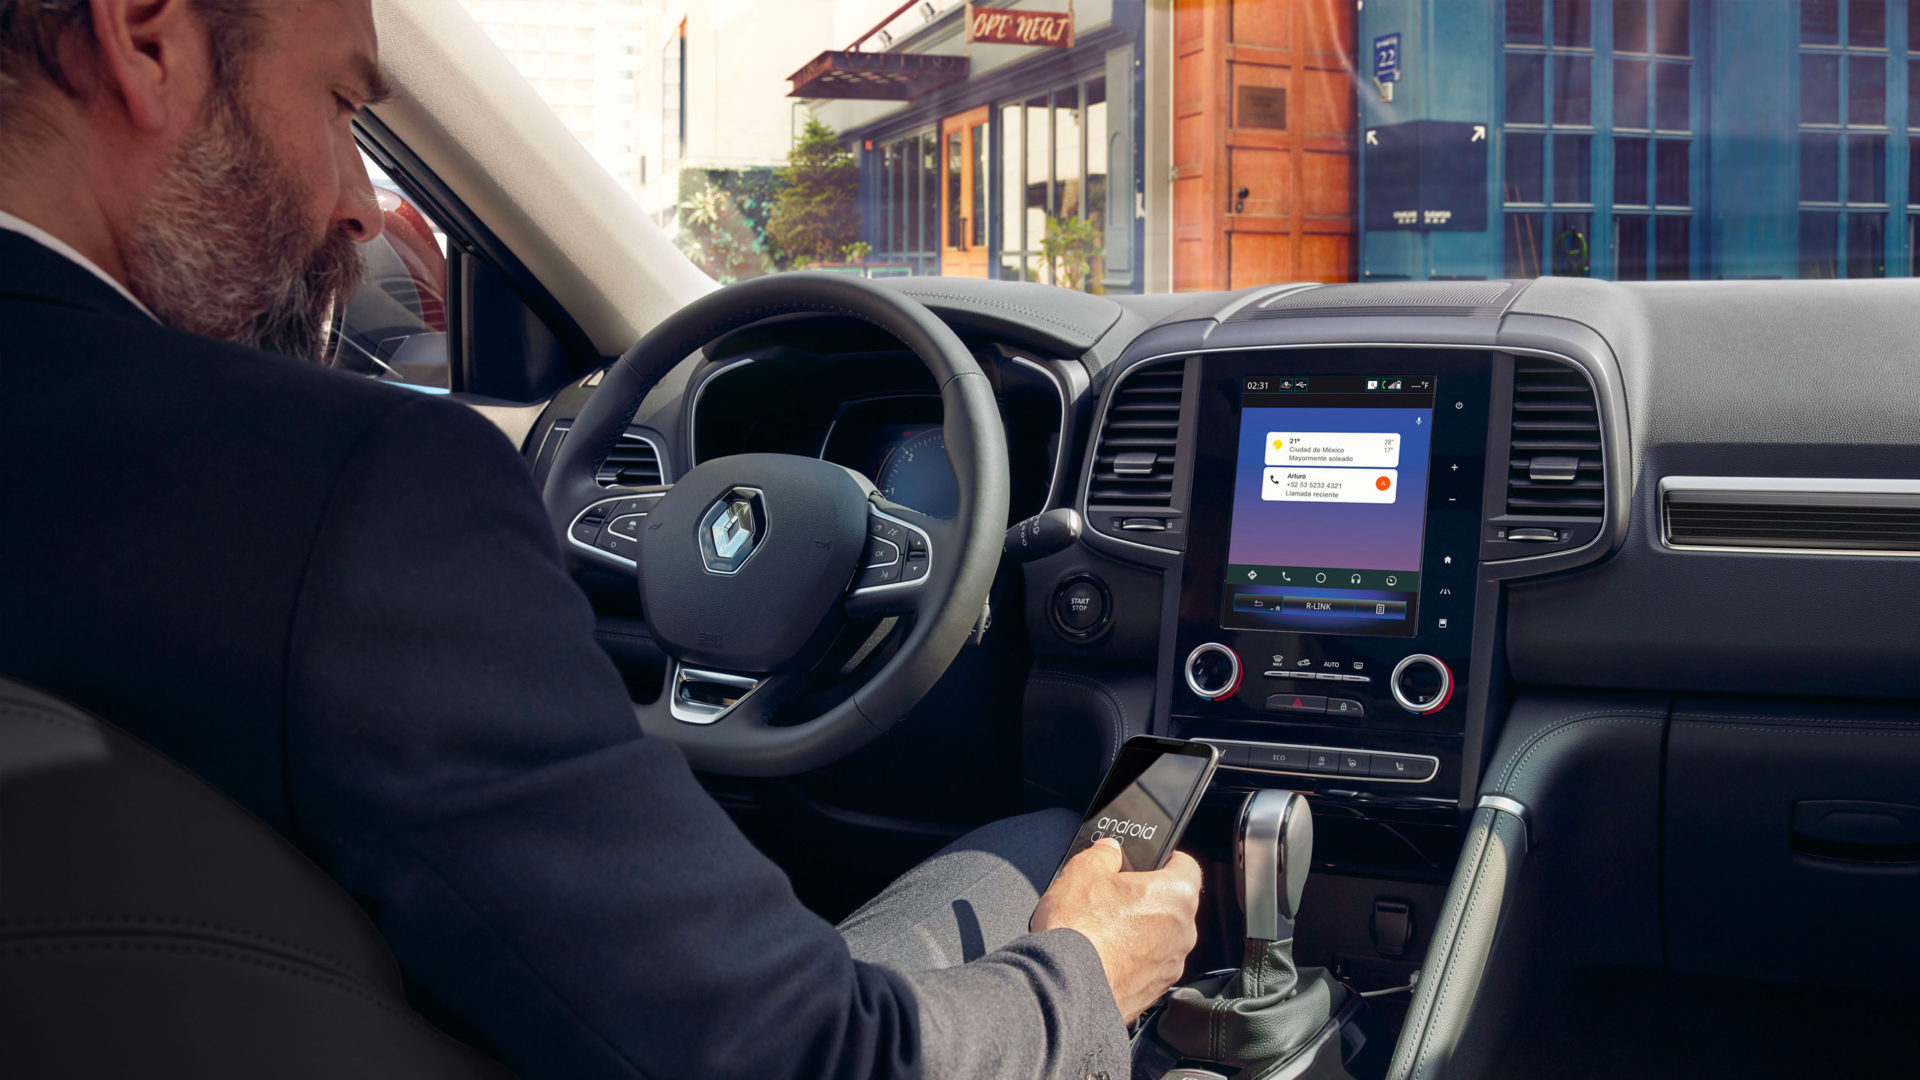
[(1082, 607)]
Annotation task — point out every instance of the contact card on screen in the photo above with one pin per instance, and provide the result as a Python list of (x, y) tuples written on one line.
[(1330, 485)]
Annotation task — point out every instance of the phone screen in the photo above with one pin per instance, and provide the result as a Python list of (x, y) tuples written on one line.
[(1146, 800)]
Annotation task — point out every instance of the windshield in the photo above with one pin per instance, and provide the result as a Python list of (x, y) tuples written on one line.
[(1151, 146)]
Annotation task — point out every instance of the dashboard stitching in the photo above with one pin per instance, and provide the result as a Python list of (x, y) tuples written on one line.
[(1515, 761), (1116, 708)]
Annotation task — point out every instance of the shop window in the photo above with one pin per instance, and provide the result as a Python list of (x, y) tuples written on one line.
[(1846, 169), (904, 214), (1630, 172), (1054, 162), (1572, 168), (1819, 244), (1866, 245), (1526, 168), (1630, 245), (1618, 166)]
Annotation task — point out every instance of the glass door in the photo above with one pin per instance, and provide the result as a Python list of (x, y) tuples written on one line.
[(963, 194)]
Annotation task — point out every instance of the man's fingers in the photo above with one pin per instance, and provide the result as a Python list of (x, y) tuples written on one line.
[(1103, 855), (1183, 873)]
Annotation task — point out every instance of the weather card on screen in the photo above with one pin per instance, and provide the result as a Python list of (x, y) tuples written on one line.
[(1329, 504)]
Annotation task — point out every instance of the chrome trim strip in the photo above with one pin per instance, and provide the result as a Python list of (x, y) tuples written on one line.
[(1428, 758), (1786, 491), (1504, 805), (872, 589), (1062, 392), (608, 556), (1606, 436), (693, 410), (695, 712), (1511, 807)]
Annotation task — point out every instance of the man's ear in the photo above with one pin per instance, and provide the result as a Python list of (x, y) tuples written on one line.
[(152, 56)]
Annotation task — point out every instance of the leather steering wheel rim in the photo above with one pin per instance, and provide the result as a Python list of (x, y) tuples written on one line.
[(947, 604)]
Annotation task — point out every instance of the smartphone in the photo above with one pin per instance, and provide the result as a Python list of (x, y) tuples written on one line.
[(1147, 799)]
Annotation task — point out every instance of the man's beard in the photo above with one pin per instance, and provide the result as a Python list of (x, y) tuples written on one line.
[(222, 248)]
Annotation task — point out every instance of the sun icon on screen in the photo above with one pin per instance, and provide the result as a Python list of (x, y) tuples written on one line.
[(1279, 444)]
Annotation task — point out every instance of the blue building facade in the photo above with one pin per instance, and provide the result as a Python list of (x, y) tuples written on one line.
[(1653, 139)]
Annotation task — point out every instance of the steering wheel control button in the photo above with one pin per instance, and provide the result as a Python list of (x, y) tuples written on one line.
[(879, 575), (628, 526), (916, 544), (881, 552), (1421, 683), (1296, 703), (1213, 671), (892, 532), (1340, 706), (586, 530), (624, 546), (915, 568)]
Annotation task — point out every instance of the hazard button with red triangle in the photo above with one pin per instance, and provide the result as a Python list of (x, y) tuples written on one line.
[(1296, 703)]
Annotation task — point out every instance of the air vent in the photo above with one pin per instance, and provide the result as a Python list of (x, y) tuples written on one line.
[(1865, 516), (634, 462), (1556, 469), (1133, 466)]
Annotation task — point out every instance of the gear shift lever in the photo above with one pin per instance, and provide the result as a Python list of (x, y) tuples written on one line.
[(1272, 852), (1269, 1008)]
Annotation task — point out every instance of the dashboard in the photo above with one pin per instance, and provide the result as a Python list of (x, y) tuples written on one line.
[(1401, 545)]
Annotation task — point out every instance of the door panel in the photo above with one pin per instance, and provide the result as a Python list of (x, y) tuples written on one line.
[(963, 194)]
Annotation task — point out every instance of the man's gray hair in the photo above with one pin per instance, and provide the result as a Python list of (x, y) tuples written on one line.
[(34, 35)]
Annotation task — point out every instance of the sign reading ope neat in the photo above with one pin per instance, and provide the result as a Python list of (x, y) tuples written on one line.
[(1005, 26)]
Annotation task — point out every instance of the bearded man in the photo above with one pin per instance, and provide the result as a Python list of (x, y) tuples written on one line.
[(342, 604)]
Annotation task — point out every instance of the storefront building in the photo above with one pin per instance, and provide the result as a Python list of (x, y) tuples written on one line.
[(1645, 139), (961, 178)]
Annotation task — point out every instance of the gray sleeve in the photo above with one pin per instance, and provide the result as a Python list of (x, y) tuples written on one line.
[(1039, 1008)]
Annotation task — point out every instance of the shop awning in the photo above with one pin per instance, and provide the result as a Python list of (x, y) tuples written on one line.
[(879, 76)]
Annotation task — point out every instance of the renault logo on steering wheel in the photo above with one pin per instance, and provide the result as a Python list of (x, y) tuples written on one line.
[(731, 530)]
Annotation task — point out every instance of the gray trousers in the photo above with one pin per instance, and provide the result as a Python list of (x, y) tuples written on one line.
[(994, 1001), (972, 897)]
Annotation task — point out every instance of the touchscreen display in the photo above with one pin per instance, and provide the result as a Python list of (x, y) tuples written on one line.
[(1141, 804), (1329, 504)]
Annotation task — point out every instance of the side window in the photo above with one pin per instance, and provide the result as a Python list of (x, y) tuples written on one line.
[(394, 326)]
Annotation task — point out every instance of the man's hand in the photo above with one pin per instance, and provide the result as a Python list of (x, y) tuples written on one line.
[(1141, 923)]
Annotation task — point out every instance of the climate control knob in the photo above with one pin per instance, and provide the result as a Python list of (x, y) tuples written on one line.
[(1213, 671), (1421, 683)]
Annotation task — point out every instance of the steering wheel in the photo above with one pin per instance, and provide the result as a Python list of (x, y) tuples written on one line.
[(749, 566)]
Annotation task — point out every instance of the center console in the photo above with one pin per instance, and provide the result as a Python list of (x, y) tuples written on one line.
[(1327, 595)]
